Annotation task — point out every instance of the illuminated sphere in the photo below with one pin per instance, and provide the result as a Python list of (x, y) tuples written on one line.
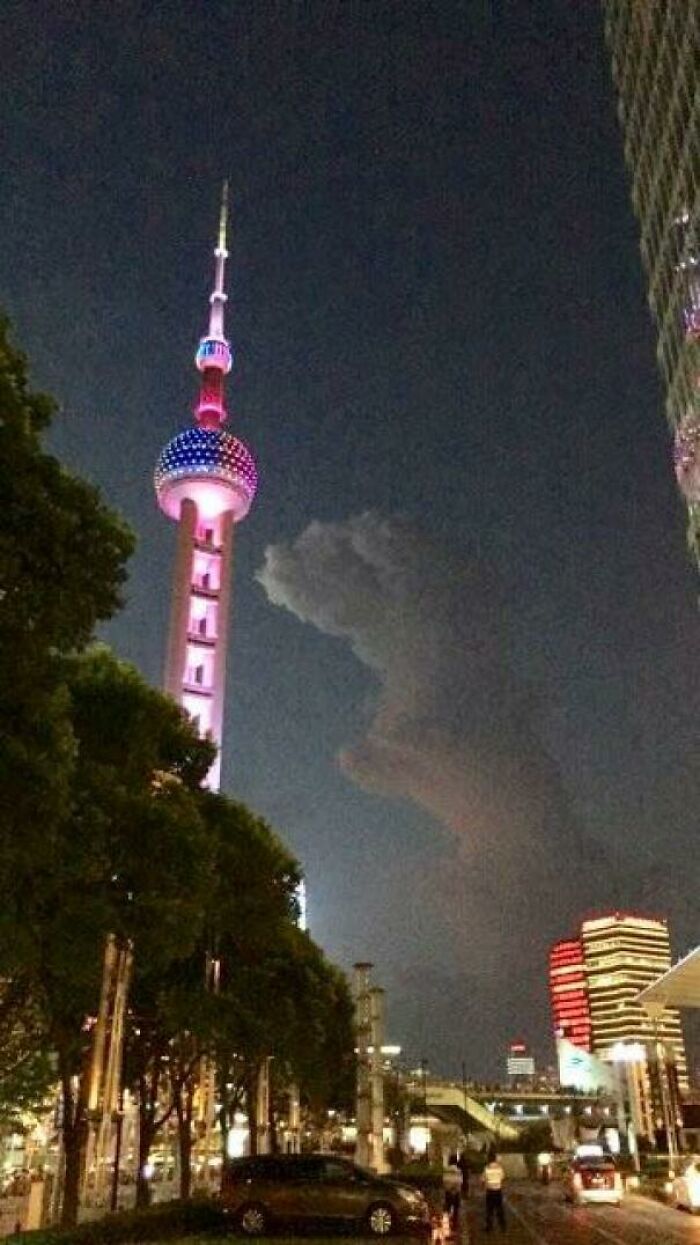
[(686, 457), (210, 467), (214, 352)]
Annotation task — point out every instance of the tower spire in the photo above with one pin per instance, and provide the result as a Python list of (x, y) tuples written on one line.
[(214, 358), (217, 298), (223, 216)]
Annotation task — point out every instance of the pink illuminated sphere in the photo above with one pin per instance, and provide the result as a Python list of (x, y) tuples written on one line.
[(209, 467)]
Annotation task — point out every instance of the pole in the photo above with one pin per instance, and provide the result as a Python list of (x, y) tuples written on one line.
[(377, 1078), (114, 1198), (363, 1108), (424, 1074), (669, 1123)]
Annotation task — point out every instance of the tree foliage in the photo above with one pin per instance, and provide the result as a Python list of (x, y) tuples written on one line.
[(105, 830)]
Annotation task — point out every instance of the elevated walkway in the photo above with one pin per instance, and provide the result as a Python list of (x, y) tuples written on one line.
[(451, 1104)]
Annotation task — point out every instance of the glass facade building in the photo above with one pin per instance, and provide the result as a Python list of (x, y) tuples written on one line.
[(655, 52)]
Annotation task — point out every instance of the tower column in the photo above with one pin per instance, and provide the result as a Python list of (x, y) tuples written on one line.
[(226, 531), (180, 602)]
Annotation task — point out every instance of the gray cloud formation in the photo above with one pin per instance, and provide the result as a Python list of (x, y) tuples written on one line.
[(454, 731)]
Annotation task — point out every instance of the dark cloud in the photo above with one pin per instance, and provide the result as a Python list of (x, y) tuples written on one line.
[(455, 731)]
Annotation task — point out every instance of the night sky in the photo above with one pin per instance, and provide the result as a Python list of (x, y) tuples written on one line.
[(486, 723)]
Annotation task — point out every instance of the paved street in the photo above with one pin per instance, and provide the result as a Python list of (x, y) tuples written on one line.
[(540, 1216)]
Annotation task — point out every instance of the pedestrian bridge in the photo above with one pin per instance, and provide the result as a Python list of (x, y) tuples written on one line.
[(465, 1110)]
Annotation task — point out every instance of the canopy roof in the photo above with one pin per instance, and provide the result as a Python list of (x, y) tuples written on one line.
[(679, 986)]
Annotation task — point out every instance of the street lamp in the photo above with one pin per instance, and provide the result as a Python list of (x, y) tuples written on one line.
[(424, 1075), (625, 1054), (655, 1011)]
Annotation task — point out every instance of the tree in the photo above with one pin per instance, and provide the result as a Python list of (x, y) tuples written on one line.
[(278, 996), (62, 568), (290, 1004), (129, 858), (27, 1072), (176, 1020), (168, 1031)]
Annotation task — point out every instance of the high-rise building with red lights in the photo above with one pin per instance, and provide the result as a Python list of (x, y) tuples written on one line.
[(595, 981), (569, 993)]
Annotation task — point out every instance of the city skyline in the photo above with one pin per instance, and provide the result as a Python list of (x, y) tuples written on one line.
[(440, 315)]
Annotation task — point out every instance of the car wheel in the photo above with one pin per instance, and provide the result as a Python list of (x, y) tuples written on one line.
[(381, 1219), (252, 1219)]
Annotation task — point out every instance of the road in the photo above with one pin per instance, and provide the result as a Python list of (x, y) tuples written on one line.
[(540, 1216)]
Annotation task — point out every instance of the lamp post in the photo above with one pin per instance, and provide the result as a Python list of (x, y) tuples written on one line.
[(655, 1012), (424, 1078), (626, 1055)]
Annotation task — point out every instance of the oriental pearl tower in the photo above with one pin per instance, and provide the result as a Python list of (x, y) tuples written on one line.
[(205, 480)]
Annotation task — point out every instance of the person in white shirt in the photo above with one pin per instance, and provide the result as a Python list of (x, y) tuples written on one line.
[(493, 1178), (452, 1184)]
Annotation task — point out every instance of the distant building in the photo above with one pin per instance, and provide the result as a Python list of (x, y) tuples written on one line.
[(655, 52), (520, 1065)]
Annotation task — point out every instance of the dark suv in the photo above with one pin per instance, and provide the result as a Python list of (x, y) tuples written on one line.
[(291, 1188)]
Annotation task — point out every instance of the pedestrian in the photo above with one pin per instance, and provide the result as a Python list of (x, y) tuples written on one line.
[(463, 1166), (452, 1184), (493, 1178)]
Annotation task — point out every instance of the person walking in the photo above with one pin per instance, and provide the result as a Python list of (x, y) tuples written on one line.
[(463, 1166), (452, 1184), (493, 1179)]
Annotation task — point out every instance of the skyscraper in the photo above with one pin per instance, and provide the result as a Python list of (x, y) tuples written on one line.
[(624, 953), (605, 1038), (655, 49), (205, 480), (568, 993)]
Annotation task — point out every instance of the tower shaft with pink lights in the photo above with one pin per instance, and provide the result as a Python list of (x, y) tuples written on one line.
[(205, 480)]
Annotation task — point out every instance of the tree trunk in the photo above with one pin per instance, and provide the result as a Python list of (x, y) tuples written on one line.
[(147, 1133), (74, 1134), (184, 1107), (252, 1109), (272, 1124)]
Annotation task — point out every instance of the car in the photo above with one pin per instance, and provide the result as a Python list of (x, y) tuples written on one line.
[(686, 1188), (594, 1178), (268, 1190)]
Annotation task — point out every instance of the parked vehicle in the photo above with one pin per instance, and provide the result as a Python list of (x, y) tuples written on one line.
[(260, 1192), (686, 1188), (594, 1178)]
